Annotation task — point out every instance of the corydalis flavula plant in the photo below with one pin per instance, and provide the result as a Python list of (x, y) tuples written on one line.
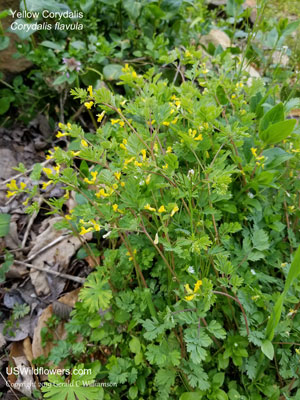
[(193, 188)]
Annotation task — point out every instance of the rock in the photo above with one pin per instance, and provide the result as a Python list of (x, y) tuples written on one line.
[(8, 64), (216, 2), (216, 37), (279, 57), (7, 161), (251, 4)]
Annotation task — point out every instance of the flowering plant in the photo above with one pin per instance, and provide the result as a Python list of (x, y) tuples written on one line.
[(189, 192)]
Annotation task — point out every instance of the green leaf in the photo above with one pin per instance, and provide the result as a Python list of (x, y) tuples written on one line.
[(4, 224), (133, 8), (276, 114), (135, 345), (36, 172), (4, 104), (268, 349), (112, 72), (4, 42), (52, 45), (192, 396), (133, 392), (9, 259), (96, 293), (221, 95), (278, 132), (86, 5), (260, 240), (276, 313)]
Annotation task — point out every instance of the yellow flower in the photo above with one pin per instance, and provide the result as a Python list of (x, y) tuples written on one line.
[(122, 146), (10, 194), (121, 123), (189, 291), (93, 180), (134, 74), (69, 125), (126, 68), (114, 121), (68, 216), (89, 104), (83, 230), (253, 151), (22, 185), (197, 286), (75, 153), (49, 157), (130, 257), (60, 134), (165, 166), (100, 116), (96, 226), (48, 171), (148, 207), (102, 193), (199, 137), (166, 123), (115, 207), (205, 71), (13, 185), (283, 265), (122, 184), (174, 97), (169, 149), (147, 180), (67, 195), (174, 121), (90, 90), (192, 293), (233, 96), (205, 125), (175, 209), (60, 125), (128, 161), (143, 151), (46, 184), (56, 168), (115, 186), (117, 175), (177, 102), (138, 164), (243, 112), (161, 209), (84, 143)]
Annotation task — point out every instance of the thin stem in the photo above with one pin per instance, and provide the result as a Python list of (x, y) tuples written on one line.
[(239, 303)]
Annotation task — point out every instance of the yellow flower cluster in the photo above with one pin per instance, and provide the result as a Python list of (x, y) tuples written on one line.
[(86, 227), (89, 104), (130, 257), (192, 293), (258, 159), (94, 177), (117, 121), (192, 133), (14, 189)]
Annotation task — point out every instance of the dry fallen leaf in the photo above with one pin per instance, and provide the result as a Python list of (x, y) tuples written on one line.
[(37, 348), (21, 357), (60, 253)]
